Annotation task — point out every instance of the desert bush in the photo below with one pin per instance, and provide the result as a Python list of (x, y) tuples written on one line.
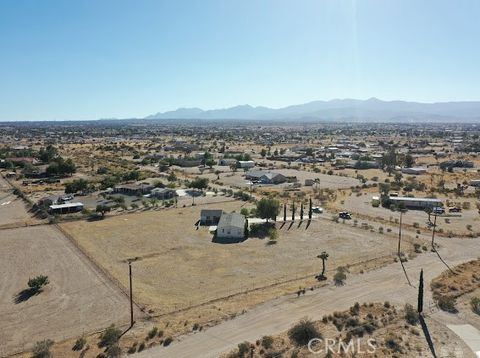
[(267, 342), (411, 315), (109, 337), (340, 277), (447, 303), (41, 349), (475, 304), (167, 341), (79, 344), (152, 333), (301, 333)]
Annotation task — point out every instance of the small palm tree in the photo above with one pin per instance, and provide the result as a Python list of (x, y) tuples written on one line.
[(324, 257)]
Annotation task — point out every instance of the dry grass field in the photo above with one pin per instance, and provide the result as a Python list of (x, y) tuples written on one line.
[(77, 299), (178, 266)]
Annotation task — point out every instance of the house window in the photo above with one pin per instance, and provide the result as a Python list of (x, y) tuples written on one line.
[(228, 233)]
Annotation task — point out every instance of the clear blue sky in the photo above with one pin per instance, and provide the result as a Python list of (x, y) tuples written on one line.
[(88, 59)]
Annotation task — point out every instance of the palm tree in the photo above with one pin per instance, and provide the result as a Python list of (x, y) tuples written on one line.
[(324, 257)]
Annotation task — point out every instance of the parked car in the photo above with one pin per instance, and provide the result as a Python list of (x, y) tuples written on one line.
[(317, 210), (454, 209), (344, 215), (438, 210)]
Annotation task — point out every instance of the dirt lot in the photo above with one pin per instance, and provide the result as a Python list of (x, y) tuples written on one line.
[(77, 299), (178, 266), (12, 209), (456, 223), (237, 179)]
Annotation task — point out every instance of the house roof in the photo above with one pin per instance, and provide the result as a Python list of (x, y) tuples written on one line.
[(407, 198), (66, 205), (212, 212), (233, 219), (261, 173)]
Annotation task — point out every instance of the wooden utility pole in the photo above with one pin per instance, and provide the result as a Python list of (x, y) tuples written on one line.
[(400, 233), (131, 296), (433, 232)]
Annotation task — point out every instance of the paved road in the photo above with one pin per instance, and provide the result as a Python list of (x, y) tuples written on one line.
[(469, 334), (386, 284)]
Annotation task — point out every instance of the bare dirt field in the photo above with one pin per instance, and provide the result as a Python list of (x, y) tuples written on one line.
[(77, 299), (12, 209), (178, 266)]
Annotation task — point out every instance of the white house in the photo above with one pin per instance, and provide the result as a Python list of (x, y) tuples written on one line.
[(246, 164), (231, 226)]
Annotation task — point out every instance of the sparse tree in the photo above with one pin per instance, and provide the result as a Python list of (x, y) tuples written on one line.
[(324, 257)]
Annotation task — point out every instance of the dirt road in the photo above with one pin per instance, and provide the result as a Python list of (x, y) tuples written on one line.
[(385, 284)]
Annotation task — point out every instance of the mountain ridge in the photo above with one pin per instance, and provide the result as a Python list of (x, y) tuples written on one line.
[(372, 109)]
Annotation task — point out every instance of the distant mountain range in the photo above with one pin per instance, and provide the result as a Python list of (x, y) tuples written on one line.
[(370, 110)]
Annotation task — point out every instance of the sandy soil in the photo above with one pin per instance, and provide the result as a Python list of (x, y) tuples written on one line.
[(78, 299)]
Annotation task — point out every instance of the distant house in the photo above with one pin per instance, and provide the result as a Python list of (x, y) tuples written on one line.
[(163, 193), (227, 161), (416, 203), (21, 160), (66, 208), (190, 162), (133, 189), (475, 183), (414, 170), (246, 164), (210, 216), (231, 226), (265, 177)]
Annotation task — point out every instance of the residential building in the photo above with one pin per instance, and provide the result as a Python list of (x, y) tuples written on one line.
[(231, 226), (416, 203), (210, 216), (163, 193)]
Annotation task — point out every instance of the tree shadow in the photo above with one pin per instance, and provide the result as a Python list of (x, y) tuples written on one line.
[(308, 224), (427, 335), (290, 226), (404, 271), (443, 261), (299, 224), (281, 226), (25, 295)]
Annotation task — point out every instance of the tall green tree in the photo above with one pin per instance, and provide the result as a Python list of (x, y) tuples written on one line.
[(268, 208), (310, 209)]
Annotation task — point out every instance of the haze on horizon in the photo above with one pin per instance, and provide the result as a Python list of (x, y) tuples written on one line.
[(88, 59)]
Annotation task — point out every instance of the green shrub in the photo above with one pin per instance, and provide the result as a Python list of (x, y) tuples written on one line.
[(267, 342), (41, 349), (301, 333), (475, 304), (109, 337), (447, 304), (79, 344), (152, 333), (411, 315)]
